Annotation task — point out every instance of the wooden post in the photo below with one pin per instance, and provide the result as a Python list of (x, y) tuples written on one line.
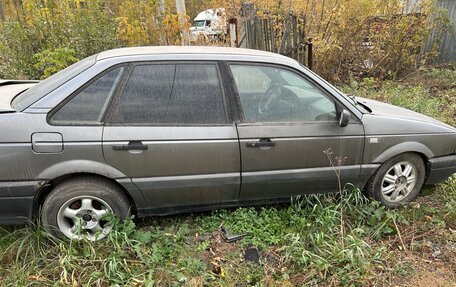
[(271, 28), (159, 19), (309, 54), (260, 39), (248, 33), (294, 40), (267, 36), (2, 11), (298, 40), (286, 34), (233, 32), (303, 38), (247, 13), (180, 8)]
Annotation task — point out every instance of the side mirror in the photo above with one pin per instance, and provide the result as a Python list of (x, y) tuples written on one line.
[(344, 118)]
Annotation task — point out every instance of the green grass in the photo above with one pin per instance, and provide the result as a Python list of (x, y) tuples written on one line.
[(431, 92), (304, 242), (318, 240)]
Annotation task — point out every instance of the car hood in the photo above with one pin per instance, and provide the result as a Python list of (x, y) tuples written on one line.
[(386, 119), (8, 90), (387, 110)]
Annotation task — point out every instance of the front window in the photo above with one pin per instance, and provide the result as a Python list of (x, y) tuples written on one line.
[(272, 94)]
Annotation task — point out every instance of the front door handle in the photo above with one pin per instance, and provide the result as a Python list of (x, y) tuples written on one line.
[(132, 145), (261, 143)]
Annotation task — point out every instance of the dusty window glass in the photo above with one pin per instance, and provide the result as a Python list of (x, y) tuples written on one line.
[(271, 94), (250, 79), (89, 105), (172, 94)]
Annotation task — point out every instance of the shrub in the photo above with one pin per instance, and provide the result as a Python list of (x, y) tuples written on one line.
[(49, 62), (358, 38), (58, 27)]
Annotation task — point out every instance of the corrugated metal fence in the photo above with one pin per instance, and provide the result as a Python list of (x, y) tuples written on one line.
[(447, 49)]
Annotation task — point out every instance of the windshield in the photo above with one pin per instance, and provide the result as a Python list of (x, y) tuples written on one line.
[(352, 101), (350, 98), (35, 93), (198, 23)]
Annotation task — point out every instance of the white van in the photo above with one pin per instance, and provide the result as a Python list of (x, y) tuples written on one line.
[(209, 24)]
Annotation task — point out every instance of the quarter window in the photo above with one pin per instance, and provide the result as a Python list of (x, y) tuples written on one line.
[(89, 105), (272, 94), (172, 94)]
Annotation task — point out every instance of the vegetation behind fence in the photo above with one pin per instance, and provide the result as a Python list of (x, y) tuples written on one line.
[(351, 38), (354, 38)]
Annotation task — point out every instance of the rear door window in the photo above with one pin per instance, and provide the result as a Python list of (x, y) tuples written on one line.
[(172, 94)]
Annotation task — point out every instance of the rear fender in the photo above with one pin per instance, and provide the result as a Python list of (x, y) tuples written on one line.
[(80, 166)]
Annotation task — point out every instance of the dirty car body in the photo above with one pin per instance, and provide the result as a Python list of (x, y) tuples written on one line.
[(178, 129)]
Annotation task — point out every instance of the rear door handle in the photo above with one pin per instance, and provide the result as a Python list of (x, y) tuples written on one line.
[(261, 143), (132, 145)]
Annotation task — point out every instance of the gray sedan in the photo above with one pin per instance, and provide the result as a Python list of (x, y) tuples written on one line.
[(161, 130)]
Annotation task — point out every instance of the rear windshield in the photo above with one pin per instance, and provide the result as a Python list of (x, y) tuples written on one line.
[(30, 96)]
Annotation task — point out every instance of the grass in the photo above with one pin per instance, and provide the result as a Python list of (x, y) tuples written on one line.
[(428, 91), (318, 240)]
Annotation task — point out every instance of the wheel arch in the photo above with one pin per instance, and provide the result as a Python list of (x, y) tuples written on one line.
[(405, 147), (125, 185), (408, 147), (80, 166)]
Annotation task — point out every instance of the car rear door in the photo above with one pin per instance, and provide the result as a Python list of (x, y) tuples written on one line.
[(290, 139), (169, 131)]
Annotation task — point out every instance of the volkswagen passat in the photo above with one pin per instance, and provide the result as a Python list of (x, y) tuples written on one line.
[(160, 130)]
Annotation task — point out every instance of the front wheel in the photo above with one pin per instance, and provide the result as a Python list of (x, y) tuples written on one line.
[(78, 208), (398, 180)]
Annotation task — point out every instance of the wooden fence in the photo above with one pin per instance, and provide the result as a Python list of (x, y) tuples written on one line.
[(284, 35)]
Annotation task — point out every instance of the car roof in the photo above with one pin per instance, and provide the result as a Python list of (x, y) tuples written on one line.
[(213, 50)]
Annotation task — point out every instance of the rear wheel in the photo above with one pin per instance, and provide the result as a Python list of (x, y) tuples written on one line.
[(398, 180), (77, 208)]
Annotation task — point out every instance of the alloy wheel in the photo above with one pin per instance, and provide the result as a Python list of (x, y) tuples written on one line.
[(84, 217), (399, 181)]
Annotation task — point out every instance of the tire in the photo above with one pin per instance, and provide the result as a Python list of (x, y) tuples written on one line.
[(77, 208), (398, 180)]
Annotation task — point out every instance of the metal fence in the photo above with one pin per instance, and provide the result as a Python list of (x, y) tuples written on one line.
[(446, 41)]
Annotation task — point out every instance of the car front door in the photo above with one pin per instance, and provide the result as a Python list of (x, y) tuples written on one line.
[(170, 132), (290, 139)]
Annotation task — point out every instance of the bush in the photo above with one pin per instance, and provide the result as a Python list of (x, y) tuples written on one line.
[(358, 38), (49, 62), (61, 28), (352, 38)]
